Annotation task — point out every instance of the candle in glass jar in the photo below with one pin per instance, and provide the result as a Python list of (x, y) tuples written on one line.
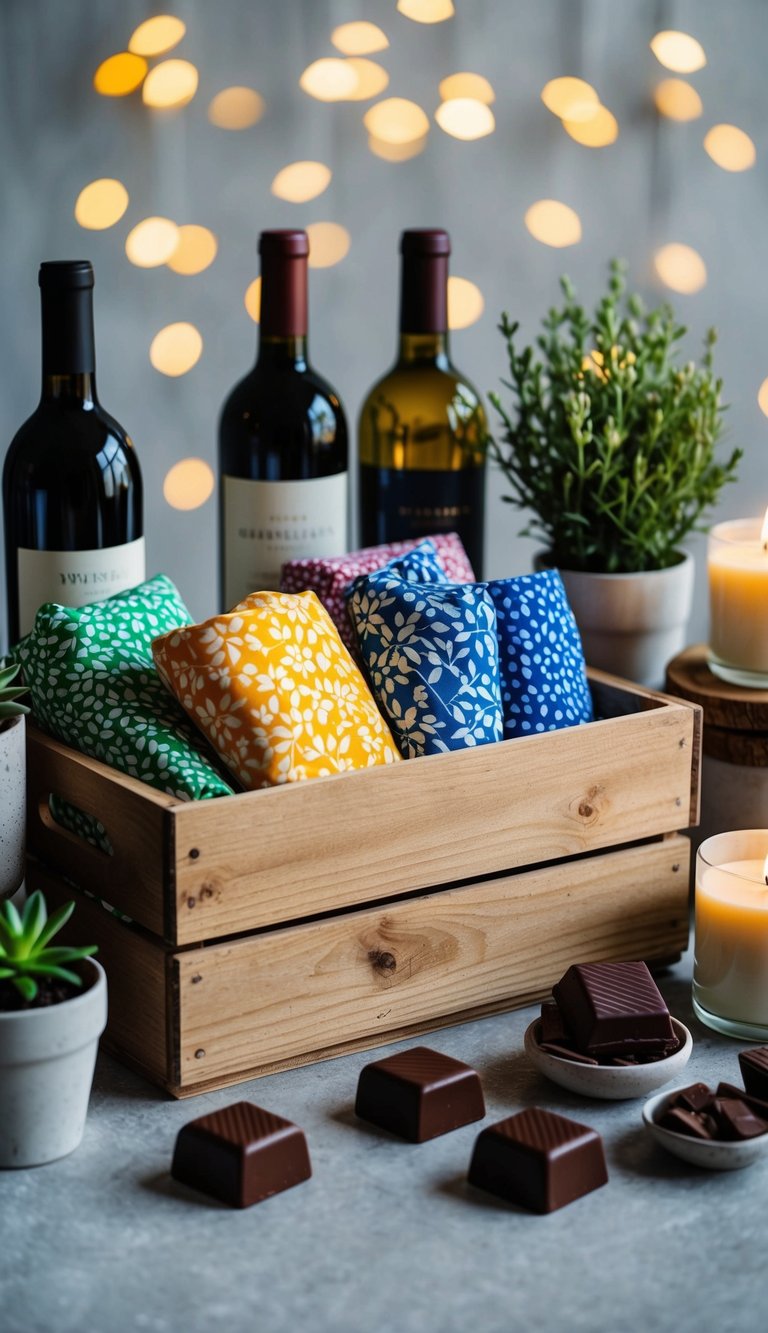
[(731, 953), (737, 564)]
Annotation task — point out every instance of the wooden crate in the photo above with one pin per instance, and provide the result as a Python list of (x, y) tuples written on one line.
[(278, 927)]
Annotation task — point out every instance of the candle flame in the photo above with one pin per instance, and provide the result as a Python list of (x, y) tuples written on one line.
[(764, 533)]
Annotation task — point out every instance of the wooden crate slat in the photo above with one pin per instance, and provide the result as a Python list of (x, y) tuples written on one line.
[(278, 855), (256, 1003)]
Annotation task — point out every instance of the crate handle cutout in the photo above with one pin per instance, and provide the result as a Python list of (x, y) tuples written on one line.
[(68, 820)]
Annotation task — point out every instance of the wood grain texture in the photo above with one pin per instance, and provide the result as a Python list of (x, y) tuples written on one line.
[(279, 855), (137, 820), (735, 719), (139, 1025), (253, 1004)]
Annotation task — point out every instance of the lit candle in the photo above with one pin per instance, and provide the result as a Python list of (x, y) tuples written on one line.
[(730, 976), (738, 601)]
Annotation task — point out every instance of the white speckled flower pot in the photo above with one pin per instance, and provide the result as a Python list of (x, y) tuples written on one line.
[(47, 1058), (13, 805)]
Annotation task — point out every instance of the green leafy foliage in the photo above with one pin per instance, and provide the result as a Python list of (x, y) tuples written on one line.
[(25, 950), (610, 441), (10, 693)]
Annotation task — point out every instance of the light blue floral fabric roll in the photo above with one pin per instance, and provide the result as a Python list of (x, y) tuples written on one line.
[(431, 656)]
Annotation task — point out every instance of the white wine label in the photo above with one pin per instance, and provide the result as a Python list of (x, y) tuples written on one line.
[(269, 522), (74, 578)]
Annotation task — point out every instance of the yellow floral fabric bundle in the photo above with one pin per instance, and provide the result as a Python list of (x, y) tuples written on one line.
[(275, 691)]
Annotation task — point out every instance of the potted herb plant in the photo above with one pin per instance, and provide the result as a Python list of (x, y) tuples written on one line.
[(53, 1009), (611, 443), (12, 781)]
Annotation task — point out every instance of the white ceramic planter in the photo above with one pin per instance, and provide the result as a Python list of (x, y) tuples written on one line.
[(47, 1058), (13, 804), (631, 624)]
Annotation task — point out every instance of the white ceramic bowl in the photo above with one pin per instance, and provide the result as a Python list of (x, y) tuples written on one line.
[(708, 1153), (609, 1082)]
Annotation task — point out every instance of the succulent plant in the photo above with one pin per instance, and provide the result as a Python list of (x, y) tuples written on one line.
[(25, 952), (10, 693)]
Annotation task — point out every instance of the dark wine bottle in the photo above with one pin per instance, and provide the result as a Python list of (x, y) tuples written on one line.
[(72, 496), (282, 440), (422, 427)]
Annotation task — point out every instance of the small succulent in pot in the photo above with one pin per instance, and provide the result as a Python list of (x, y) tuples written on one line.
[(10, 693), (34, 973), (611, 442)]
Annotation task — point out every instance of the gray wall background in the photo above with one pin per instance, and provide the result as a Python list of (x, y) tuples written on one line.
[(654, 185)]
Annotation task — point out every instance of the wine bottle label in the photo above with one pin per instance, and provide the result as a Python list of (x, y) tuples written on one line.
[(403, 504), (74, 578), (269, 522)]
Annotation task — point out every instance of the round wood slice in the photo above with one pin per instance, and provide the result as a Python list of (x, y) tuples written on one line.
[(735, 718)]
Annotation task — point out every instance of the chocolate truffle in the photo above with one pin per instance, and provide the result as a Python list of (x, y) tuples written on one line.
[(419, 1094), (241, 1154), (539, 1160)]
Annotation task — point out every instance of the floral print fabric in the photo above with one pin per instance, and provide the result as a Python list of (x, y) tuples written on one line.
[(330, 577), (431, 656), (93, 684), (275, 691)]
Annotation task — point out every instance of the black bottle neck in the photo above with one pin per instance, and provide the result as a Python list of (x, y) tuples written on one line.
[(69, 361), (424, 309)]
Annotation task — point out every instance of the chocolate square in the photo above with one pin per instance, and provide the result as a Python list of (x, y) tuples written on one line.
[(538, 1159), (754, 1071), (419, 1094), (610, 1008), (241, 1154)]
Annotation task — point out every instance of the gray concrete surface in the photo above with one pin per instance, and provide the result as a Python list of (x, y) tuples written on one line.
[(386, 1235)]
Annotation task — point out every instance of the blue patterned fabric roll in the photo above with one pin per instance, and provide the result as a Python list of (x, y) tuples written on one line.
[(432, 660)]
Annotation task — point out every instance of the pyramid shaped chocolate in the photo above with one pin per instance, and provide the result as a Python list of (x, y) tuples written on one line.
[(539, 1160), (419, 1094), (241, 1154)]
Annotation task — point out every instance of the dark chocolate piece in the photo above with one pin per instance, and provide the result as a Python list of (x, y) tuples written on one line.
[(538, 1159), (736, 1120), (755, 1103), (566, 1053), (241, 1154), (694, 1098), (613, 1009), (692, 1123), (419, 1094), (552, 1025), (623, 1061), (754, 1071)]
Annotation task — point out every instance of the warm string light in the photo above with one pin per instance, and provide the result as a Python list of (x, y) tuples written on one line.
[(101, 204), (730, 148), (236, 108), (172, 83), (189, 484), (301, 181), (553, 223), (677, 100), (465, 118), (176, 349), (396, 152), (329, 243), (426, 11), (598, 131), (195, 250), (465, 303), (359, 39), (678, 51), (152, 242), (681, 268), (157, 35), (329, 79), (396, 120), (120, 75), (252, 300), (570, 99), (372, 79), (762, 397), (467, 85)]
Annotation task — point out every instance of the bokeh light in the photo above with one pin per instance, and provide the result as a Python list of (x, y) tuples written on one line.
[(677, 100), (396, 152), (329, 243), (189, 484), (372, 79), (176, 349), (236, 108), (465, 118), (553, 223), (678, 51), (597, 132), (172, 83), (680, 268), (762, 397), (152, 242), (359, 39), (157, 35), (426, 11), (729, 147), (329, 79), (252, 300), (119, 75), (101, 204), (300, 181), (396, 120), (465, 303), (467, 85), (570, 99), (195, 249)]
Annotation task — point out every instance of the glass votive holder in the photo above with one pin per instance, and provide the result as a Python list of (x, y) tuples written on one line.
[(730, 969), (737, 568)]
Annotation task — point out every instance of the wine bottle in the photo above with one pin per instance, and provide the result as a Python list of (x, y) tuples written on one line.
[(72, 495), (422, 427), (282, 440)]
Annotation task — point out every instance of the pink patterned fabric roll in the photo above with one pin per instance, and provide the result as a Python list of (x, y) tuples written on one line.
[(328, 577)]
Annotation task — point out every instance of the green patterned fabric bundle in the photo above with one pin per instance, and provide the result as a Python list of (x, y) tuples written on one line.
[(94, 685)]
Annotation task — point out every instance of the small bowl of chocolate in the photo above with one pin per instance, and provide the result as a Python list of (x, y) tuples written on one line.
[(607, 1033), (721, 1130)]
